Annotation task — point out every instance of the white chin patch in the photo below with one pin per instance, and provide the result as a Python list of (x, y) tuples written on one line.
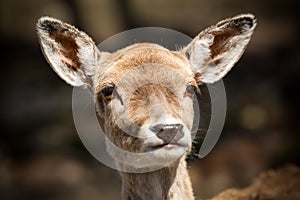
[(167, 155), (151, 160)]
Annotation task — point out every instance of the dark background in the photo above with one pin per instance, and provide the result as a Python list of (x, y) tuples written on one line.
[(41, 156)]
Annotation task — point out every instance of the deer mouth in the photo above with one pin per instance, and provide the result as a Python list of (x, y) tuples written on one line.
[(167, 146)]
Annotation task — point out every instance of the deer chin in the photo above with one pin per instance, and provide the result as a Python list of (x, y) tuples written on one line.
[(148, 161), (167, 154)]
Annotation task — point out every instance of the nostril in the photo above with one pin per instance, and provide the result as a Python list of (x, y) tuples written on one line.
[(168, 132), (157, 128)]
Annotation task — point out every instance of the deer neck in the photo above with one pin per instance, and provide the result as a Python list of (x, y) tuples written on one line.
[(169, 183)]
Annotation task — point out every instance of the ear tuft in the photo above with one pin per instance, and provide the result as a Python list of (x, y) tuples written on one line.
[(241, 23), (48, 24)]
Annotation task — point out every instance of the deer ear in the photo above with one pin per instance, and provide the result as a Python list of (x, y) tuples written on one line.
[(215, 50), (71, 53)]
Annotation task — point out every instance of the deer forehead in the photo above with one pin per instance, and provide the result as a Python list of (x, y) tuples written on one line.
[(142, 55), (151, 101)]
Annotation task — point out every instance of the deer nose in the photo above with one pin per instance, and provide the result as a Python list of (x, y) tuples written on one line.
[(169, 133)]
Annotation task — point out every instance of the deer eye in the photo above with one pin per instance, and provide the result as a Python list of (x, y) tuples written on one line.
[(108, 92), (190, 90)]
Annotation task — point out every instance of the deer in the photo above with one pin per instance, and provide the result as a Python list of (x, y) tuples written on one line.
[(143, 94)]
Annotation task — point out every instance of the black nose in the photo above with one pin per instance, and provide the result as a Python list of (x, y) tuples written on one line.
[(169, 133)]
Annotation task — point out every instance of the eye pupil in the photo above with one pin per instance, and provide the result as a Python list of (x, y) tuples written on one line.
[(108, 92), (190, 89)]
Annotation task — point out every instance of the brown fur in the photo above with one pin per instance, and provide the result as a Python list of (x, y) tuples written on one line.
[(280, 184), (69, 50), (127, 59), (148, 95)]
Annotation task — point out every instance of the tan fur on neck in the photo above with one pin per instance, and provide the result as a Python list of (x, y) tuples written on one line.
[(172, 182)]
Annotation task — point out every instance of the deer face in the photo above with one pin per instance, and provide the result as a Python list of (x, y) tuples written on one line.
[(144, 93), (146, 97)]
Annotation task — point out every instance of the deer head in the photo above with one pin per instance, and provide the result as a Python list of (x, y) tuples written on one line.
[(144, 93)]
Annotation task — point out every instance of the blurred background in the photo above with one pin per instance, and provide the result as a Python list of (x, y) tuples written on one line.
[(41, 155)]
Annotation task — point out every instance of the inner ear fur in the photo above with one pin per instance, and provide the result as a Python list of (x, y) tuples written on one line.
[(215, 50)]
